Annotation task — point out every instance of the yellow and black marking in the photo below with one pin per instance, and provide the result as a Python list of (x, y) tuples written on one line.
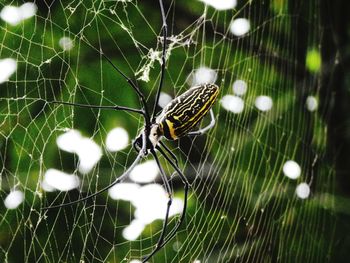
[(182, 114)]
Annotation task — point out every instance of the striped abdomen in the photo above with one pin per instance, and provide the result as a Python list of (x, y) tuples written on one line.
[(182, 114)]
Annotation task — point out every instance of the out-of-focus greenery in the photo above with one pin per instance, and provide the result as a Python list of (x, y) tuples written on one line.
[(241, 206)]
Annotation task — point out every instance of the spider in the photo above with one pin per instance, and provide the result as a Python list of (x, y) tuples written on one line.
[(176, 120)]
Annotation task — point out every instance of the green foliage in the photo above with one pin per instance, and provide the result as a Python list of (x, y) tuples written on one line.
[(242, 208)]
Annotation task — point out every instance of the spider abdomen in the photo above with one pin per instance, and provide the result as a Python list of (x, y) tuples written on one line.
[(182, 114)]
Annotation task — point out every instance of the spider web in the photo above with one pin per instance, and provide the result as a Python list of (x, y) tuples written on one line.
[(243, 206)]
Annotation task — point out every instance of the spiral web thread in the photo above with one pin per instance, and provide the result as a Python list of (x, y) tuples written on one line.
[(242, 206)]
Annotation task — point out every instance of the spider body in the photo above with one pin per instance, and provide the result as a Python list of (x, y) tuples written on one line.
[(183, 113), (179, 116)]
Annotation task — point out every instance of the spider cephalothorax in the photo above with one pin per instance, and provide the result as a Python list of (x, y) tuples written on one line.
[(152, 134)]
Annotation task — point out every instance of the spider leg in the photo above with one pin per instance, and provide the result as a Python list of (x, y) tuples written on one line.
[(121, 108), (128, 80), (165, 222), (133, 85), (116, 181), (168, 151), (206, 128), (165, 33), (186, 186)]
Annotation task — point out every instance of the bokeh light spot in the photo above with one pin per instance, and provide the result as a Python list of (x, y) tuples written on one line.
[(240, 26), (303, 190), (263, 103), (66, 43), (291, 169), (164, 99), (60, 181), (204, 75), (14, 15), (221, 4), (123, 191), (232, 103), (134, 230), (145, 172), (311, 103), (14, 199), (8, 66), (117, 139), (88, 151), (313, 60), (239, 87)]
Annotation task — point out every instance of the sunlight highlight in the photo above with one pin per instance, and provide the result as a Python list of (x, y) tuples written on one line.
[(14, 199), (124, 191), (60, 181), (232, 103), (291, 169), (239, 87), (134, 230), (221, 4), (14, 15), (311, 103), (150, 202), (89, 154), (145, 172), (240, 26), (66, 43), (313, 60), (303, 190), (263, 103), (117, 139), (88, 151), (68, 141), (8, 66), (46, 187), (164, 99), (204, 75)]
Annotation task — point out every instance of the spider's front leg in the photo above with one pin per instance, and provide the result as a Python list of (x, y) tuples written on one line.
[(161, 242), (149, 137), (102, 107)]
